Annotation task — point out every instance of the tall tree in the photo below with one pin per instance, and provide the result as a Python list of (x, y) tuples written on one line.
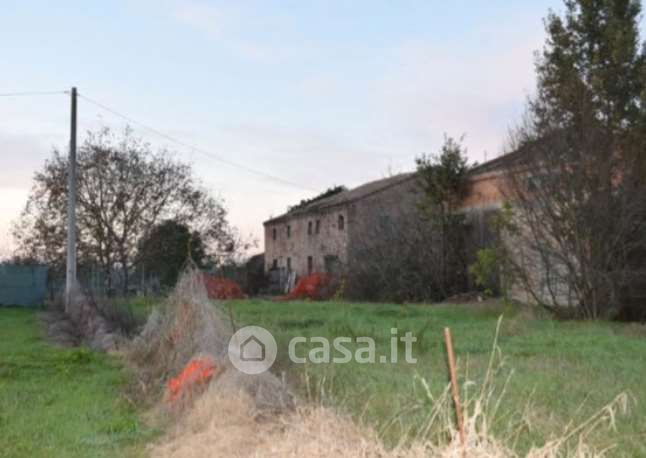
[(413, 248), (124, 190), (578, 185), (443, 181)]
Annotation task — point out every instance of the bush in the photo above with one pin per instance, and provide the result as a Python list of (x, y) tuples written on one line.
[(486, 270)]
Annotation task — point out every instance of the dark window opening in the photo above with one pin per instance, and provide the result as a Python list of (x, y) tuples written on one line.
[(289, 263), (332, 264), (310, 265), (309, 228), (341, 223), (274, 265), (273, 233), (318, 226), (289, 231)]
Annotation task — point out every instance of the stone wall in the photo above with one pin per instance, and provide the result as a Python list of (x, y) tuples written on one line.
[(299, 245), (387, 205), (398, 202)]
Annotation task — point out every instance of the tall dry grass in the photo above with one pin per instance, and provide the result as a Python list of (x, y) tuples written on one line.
[(188, 326), (224, 422)]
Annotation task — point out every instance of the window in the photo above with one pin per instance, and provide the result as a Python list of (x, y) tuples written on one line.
[(289, 231), (310, 265), (341, 223), (309, 228), (273, 233), (332, 264), (274, 265), (318, 226), (289, 264)]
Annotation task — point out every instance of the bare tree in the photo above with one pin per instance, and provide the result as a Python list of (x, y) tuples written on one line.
[(577, 181), (124, 190), (395, 257)]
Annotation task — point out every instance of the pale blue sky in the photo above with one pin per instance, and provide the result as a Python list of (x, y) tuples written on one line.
[(320, 93)]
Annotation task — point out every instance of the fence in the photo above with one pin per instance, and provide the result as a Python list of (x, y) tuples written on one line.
[(23, 285), (96, 282)]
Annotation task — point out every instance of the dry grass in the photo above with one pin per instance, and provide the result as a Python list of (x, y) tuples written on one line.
[(186, 326), (251, 416), (189, 326), (224, 422)]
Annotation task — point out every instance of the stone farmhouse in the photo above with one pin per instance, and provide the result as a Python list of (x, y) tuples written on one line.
[(318, 235), (327, 234)]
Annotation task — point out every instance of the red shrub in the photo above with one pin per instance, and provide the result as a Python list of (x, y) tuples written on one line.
[(315, 286), (222, 288)]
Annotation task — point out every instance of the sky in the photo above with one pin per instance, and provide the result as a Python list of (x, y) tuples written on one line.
[(318, 93)]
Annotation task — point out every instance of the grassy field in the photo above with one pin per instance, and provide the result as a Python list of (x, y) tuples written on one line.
[(56, 402), (60, 402), (564, 370)]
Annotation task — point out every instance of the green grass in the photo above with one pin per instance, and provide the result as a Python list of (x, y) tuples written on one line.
[(567, 370), (58, 402)]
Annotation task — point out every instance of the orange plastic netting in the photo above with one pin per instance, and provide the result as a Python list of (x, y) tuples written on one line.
[(222, 288), (197, 373), (314, 286)]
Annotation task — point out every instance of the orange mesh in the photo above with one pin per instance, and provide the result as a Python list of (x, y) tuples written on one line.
[(222, 288), (311, 287), (197, 373)]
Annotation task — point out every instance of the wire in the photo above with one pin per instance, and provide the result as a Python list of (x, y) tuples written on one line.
[(195, 148), (30, 93)]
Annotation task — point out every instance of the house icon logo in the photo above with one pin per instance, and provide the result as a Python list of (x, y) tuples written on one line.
[(252, 350)]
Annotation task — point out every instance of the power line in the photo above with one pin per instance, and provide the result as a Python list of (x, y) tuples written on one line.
[(193, 147), (31, 93)]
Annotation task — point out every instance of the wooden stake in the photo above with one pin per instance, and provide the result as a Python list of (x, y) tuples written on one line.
[(233, 323), (455, 387)]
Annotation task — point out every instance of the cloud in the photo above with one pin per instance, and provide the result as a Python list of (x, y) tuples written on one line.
[(207, 18), (234, 26)]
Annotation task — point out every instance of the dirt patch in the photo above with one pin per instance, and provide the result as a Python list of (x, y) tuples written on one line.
[(85, 324)]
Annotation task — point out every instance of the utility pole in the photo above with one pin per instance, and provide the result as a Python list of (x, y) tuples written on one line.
[(70, 277)]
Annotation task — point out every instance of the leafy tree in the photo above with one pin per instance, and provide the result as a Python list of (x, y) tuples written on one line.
[(324, 195), (165, 250), (124, 190), (578, 189), (443, 178), (412, 247), (443, 181)]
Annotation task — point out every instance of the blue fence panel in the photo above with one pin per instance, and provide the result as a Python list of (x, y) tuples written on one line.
[(24, 285)]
